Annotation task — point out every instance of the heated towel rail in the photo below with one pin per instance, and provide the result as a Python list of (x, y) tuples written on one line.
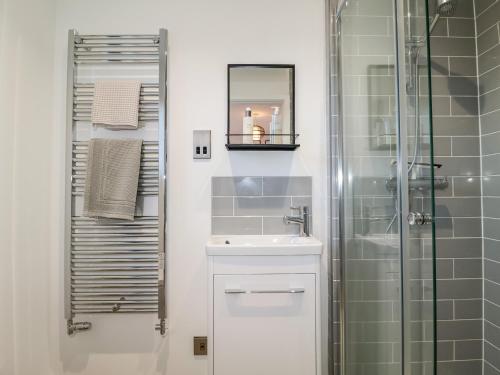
[(116, 266)]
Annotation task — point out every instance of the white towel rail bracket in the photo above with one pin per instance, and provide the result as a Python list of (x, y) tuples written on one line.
[(113, 266)]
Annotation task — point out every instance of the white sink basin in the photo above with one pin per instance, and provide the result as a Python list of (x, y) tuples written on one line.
[(263, 245)]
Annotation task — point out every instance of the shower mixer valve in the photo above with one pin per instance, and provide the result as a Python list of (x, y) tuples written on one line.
[(419, 218)]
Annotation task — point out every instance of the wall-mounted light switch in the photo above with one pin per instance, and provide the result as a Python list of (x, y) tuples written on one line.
[(202, 144)]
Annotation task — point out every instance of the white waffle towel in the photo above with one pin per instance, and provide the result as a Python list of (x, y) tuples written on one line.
[(116, 104), (113, 167)]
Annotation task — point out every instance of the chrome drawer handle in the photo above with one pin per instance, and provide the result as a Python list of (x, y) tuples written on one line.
[(271, 291)]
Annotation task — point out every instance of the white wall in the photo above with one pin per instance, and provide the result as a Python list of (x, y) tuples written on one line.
[(204, 36), (6, 160), (26, 107)]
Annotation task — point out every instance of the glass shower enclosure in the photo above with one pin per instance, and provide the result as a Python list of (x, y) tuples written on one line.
[(385, 181)]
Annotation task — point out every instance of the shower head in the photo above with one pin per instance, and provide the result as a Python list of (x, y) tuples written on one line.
[(444, 8)]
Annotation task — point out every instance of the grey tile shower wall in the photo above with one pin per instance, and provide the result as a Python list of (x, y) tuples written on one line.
[(488, 44), (256, 205), (458, 208)]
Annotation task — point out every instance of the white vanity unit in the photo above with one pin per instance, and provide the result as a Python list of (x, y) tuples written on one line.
[(264, 305)]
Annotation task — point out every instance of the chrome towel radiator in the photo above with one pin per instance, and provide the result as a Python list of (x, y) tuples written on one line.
[(116, 266)]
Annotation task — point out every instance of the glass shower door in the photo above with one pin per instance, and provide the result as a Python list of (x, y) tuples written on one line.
[(386, 185)]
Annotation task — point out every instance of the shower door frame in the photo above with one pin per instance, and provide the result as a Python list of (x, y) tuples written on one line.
[(402, 179)]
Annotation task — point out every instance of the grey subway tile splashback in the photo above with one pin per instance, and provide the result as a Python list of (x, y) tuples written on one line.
[(278, 186), (262, 206), (256, 205), (237, 225), (236, 186), (222, 206)]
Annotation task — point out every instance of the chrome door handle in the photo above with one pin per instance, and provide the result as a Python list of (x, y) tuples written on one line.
[(419, 218), (266, 291)]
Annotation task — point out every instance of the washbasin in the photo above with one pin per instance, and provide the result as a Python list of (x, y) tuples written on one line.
[(263, 245)]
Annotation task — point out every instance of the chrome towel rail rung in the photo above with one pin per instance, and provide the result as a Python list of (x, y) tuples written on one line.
[(83, 37), (145, 167), (144, 143), (138, 221), (111, 276), (116, 229), (116, 53), (113, 235), (112, 301), (141, 118), (90, 85), (143, 111), (104, 261), (139, 193), (121, 311), (146, 254), (143, 269), (87, 96), (144, 180), (114, 45), (113, 243), (131, 283), (152, 292), (117, 60), (128, 249)]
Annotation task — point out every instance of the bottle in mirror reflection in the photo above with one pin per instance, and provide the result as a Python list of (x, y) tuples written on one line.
[(275, 126), (248, 126)]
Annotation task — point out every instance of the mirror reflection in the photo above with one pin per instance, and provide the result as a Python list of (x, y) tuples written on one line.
[(261, 104)]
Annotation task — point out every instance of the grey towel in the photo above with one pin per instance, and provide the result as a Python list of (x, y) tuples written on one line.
[(113, 167)]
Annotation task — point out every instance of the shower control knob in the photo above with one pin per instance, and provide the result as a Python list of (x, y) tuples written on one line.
[(419, 218)]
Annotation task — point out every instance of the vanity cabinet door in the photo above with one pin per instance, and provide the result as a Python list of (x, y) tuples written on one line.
[(264, 324)]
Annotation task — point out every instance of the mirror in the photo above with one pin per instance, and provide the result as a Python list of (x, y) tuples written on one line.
[(261, 106)]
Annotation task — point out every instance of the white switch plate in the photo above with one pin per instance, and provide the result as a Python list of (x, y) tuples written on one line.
[(202, 144)]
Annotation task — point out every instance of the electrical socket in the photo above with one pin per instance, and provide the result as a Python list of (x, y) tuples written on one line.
[(200, 345)]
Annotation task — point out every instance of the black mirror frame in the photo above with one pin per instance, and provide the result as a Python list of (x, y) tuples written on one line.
[(269, 147)]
